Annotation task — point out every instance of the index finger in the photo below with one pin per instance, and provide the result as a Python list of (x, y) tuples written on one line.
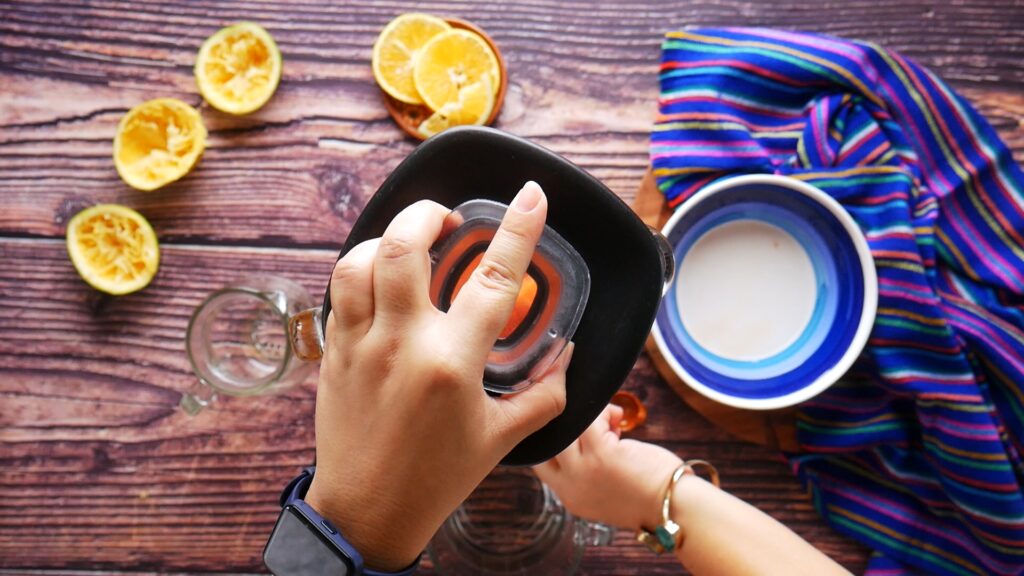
[(485, 303)]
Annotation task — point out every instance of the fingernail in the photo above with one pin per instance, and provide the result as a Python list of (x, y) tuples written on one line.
[(527, 198), (567, 353)]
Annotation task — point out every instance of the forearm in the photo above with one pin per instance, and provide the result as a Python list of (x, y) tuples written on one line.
[(623, 482), (723, 535)]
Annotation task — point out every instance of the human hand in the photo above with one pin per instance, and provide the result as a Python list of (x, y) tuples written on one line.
[(621, 482), (404, 428), (605, 478)]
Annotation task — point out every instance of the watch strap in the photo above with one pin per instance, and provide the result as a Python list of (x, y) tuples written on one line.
[(294, 494)]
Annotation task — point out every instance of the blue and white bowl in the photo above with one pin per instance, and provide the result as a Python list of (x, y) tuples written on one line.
[(774, 293)]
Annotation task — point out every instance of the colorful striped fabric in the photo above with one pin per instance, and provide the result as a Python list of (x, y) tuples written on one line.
[(917, 453)]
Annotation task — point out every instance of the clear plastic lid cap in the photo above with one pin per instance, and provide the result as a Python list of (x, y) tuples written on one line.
[(549, 306)]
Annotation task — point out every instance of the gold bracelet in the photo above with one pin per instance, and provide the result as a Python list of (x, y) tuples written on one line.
[(665, 538)]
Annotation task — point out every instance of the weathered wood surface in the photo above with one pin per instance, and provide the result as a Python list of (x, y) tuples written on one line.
[(582, 78), (98, 470)]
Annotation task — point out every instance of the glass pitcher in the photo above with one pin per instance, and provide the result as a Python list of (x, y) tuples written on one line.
[(250, 338), (513, 525)]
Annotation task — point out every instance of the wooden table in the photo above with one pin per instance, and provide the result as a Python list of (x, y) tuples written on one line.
[(98, 468)]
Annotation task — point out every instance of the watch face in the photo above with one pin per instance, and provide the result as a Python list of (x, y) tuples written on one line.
[(297, 548)]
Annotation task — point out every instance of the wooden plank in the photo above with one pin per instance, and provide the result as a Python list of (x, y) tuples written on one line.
[(577, 37), (299, 171), (99, 470)]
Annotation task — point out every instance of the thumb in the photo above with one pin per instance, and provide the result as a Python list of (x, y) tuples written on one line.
[(528, 411)]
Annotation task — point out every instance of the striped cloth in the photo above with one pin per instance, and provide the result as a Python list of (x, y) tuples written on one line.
[(917, 453)]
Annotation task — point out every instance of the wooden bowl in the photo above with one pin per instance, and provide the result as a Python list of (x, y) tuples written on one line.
[(410, 116)]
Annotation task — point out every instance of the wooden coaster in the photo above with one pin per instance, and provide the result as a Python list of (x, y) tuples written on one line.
[(775, 429), (410, 116)]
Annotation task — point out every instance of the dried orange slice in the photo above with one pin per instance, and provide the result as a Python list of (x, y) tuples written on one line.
[(396, 50), (113, 248), (238, 68), (451, 61), (158, 142), (473, 106)]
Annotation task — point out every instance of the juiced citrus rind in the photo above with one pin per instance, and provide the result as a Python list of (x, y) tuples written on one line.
[(158, 142), (113, 248), (238, 69)]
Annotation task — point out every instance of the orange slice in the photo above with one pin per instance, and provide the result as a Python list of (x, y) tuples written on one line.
[(396, 50), (473, 106), (451, 61)]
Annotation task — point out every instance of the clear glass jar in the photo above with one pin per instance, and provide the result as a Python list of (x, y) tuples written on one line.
[(513, 525), (241, 340)]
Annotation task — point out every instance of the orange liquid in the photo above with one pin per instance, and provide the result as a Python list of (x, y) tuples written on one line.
[(524, 301)]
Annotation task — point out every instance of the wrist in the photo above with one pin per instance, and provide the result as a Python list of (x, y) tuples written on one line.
[(687, 496), (684, 506), (381, 542), (653, 494), (681, 500)]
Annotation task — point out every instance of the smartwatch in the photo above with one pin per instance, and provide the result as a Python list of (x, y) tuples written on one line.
[(304, 543)]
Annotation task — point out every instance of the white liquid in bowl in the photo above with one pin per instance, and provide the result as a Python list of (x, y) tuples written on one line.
[(746, 290)]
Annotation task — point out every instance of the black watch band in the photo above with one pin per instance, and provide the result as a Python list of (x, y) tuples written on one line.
[(304, 543)]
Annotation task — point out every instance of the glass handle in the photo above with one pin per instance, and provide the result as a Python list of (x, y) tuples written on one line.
[(595, 533), (306, 334), (668, 259), (199, 396)]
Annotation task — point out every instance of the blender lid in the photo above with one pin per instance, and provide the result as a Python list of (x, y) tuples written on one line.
[(623, 257), (548, 307)]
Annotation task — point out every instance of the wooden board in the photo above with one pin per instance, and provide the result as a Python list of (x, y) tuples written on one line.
[(583, 82), (98, 471)]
